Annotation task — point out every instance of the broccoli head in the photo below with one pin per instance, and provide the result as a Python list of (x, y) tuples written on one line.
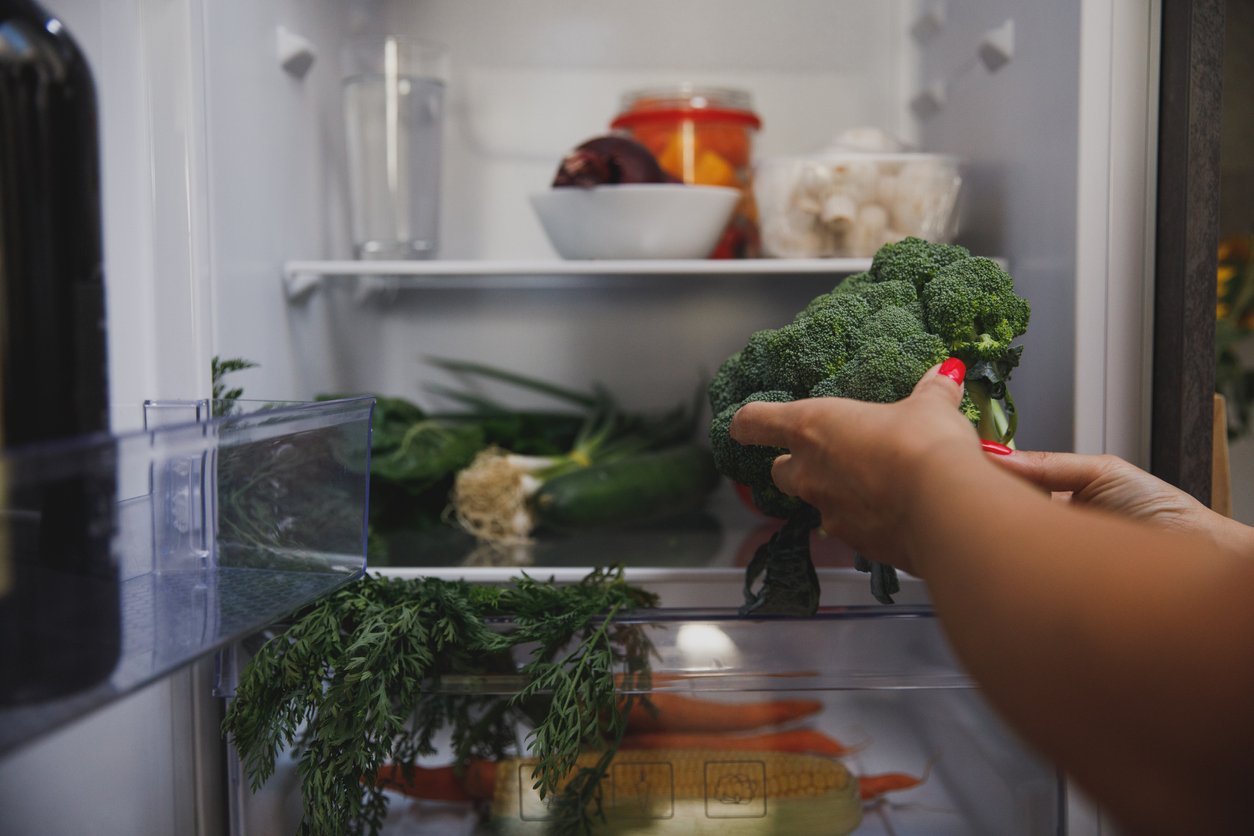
[(914, 260), (871, 338), (972, 305), (748, 464)]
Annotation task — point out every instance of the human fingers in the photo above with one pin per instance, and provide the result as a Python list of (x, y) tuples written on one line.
[(938, 382), (764, 423), (1055, 472), (782, 474)]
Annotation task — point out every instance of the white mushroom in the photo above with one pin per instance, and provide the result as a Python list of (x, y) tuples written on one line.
[(869, 230), (839, 211)]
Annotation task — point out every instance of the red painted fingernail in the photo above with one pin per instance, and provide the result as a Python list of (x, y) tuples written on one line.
[(995, 448), (954, 369)]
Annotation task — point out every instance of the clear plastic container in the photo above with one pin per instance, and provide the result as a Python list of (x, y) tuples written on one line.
[(704, 136), (216, 526), (878, 682), (846, 202)]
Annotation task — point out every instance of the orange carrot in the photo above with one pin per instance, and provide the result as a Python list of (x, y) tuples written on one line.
[(440, 783), (676, 712), (874, 786), (806, 741)]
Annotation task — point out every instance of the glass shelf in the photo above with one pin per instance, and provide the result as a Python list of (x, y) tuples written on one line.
[(301, 278), (122, 558)]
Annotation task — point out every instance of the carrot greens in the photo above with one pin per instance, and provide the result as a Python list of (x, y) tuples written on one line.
[(355, 683)]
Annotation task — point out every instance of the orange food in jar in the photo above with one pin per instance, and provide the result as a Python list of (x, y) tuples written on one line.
[(703, 136)]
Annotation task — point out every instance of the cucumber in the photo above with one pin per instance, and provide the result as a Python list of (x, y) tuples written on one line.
[(629, 490)]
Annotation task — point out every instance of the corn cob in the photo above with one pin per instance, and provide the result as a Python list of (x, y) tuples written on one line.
[(698, 791)]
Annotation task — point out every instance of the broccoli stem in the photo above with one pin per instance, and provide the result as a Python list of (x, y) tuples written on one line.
[(994, 425)]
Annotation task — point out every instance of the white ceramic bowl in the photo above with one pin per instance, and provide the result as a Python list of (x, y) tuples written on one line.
[(644, 220)]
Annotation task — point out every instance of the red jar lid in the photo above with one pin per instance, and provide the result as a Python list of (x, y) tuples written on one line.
[(686, 103)]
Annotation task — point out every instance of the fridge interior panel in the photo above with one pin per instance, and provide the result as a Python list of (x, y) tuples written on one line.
[(1018, 129)]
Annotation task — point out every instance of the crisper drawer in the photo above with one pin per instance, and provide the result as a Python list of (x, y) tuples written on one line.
[(855, 720)]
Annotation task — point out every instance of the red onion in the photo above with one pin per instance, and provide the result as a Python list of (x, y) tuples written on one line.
[(607, 160)]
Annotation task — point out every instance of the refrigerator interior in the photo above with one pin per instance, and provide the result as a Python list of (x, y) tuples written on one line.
[(1043, 189), (221, 167)]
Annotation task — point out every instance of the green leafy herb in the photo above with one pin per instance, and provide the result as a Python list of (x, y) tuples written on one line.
[(224, 399), (354, 682)]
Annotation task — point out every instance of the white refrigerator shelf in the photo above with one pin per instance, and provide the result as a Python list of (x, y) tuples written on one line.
[(302, 277)]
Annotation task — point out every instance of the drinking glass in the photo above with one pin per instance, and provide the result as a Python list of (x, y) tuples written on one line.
[(394, 119)]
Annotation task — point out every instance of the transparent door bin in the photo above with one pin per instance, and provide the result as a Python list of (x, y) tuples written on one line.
[(879, 680), (215, 525)]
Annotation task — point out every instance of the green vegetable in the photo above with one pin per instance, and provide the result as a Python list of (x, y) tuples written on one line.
[(224, 399), (871, 339), (418, 457), (494, 497), (354, 681), (750, 464), (627, 490)]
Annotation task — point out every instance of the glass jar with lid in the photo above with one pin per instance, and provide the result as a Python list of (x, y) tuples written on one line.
[(703, 136)]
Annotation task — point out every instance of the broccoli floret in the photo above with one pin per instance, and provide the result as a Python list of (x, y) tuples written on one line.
[(755, 360), (849, 308), (773, 502), (895, 323), (813, 346), (914, 260), (973, 306), (748, 464), (728, 385), (894, 293), (884, 370), (854, 283)]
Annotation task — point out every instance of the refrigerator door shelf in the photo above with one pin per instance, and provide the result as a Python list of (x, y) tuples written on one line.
[(219, 528)]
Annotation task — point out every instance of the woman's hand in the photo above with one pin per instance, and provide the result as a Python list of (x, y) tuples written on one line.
[(860, 463), (1111, 484)]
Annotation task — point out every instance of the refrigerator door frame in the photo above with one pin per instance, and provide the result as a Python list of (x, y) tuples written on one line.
[(1186, 240)]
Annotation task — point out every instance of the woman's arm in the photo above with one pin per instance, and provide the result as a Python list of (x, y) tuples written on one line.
[(1123, 652)]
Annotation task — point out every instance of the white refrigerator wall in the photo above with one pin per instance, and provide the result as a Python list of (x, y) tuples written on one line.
[(530, 80)]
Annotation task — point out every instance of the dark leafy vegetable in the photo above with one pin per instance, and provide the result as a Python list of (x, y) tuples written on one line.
[(790, 586)]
